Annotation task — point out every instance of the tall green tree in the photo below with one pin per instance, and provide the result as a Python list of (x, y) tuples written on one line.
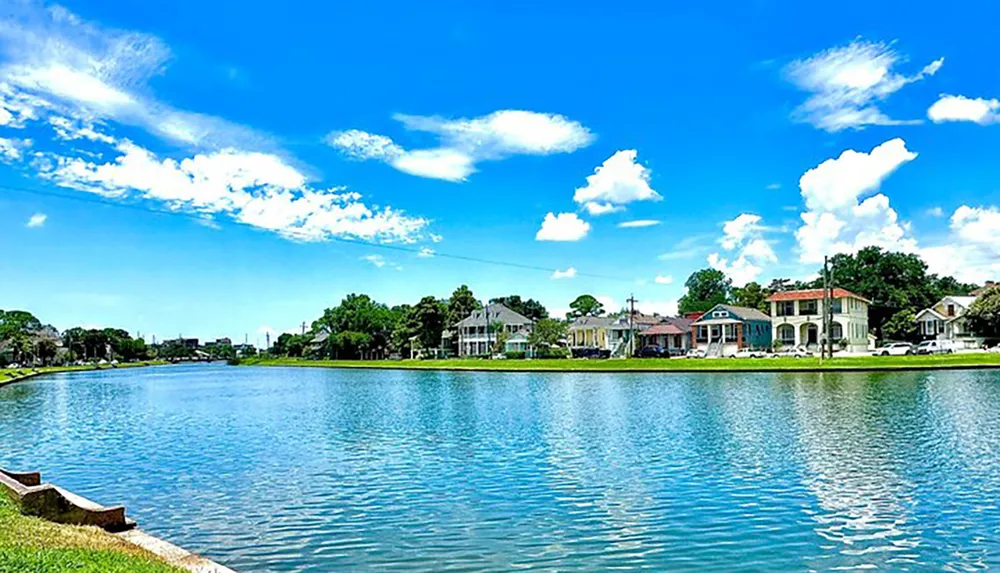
[(430, 316), (901, 326), (530, 308), (585, 305), (461, 304), (705, 289), (359, 327), (752, 295), (983, 317), (547, 333)]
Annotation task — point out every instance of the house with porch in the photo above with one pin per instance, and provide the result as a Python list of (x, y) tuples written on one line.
[(946, 321), (477, 333), (673, 334), (605, 334), (797, 319), (726, 329)]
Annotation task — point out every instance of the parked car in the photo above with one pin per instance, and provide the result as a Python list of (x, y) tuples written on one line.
[(695, 353), (653, 351), (936, 347), (895, 349), (748, 353), (591, 352), (792, 352), (995, 349)]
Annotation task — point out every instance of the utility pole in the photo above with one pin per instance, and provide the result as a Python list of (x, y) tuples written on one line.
[(303, 327), (631, 328), (829, 307), (486, 315)]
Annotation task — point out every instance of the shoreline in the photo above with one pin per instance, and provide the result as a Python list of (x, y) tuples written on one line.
[(971, 361), (12, 375)]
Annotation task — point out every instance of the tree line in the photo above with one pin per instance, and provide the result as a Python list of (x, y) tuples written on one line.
[(898, 285), (25, 340)]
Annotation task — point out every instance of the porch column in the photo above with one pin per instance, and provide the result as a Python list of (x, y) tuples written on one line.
[(739, 335)]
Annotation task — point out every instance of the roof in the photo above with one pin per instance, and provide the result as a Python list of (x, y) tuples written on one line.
[(495, 312), (811, 294), (930, 311), (663, 328), (740, 311), (965, 301)]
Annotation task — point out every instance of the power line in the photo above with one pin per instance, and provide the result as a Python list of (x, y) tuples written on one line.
[(362, 242)]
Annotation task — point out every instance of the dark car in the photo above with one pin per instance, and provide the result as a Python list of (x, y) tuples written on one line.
[(653, 351), (590, 353)]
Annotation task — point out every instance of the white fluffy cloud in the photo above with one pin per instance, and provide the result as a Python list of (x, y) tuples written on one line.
[(566, 274), (562, 227), (12, 149), (847, 84), (638, 224), (37, 220), (465, 142), (972, 252), (615, 183), (257, 189), (835, 220), (664, 280), (743, 238), (961, 108)]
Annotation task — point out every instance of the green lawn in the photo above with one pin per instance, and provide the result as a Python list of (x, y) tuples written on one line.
[(32, 545), (12, 374), (662, 365)]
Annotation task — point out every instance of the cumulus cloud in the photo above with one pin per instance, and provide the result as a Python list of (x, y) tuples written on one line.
[(848, 83), (616, 182), (664, 280), (463, 142), (37, 220), (425, 252), (743, 238), (972, 251), (638, 224), (961, 108), (12, 149), (566, 274), (836, 220), (562, 227)]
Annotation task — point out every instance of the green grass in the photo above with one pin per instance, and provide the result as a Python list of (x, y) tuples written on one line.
[(32, 545), (14, 374), (984, 360)]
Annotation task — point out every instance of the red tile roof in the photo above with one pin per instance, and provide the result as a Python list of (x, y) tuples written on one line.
[(812, 293), (664, 328)]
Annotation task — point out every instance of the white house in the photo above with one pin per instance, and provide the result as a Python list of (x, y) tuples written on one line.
[(797, 318), (478, 331), (946, 321)]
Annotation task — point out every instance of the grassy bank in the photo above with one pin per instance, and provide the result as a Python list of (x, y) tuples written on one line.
[(32, 545), (981, 360), (8, 375)]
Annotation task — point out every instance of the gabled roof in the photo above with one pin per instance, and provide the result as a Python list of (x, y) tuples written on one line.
[(963, 301), (495, 312), (663, 328), (931, 312), (741, 312), (811, 294)]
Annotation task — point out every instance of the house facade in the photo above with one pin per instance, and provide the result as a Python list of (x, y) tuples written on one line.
[(602, 333), (726, 329), (797, 319), (673, 334), (477, 333), (946, 321)]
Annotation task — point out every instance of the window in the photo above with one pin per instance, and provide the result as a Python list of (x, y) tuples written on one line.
[(836, 331), (785, 308), (786, 334), (720, 314), (807, 307), (835, 304), (951, 310)]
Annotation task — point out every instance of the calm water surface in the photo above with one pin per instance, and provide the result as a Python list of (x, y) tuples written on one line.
[(318, 470)]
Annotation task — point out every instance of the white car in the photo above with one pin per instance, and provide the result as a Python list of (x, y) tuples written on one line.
[(748, 353), (995, 349), (695, 353), (792, 352), (895, 349), (936, 347)]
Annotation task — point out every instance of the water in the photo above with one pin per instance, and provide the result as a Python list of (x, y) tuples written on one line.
[(322, 470)]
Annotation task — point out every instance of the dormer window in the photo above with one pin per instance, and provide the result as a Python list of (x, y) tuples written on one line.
[(951, 310)]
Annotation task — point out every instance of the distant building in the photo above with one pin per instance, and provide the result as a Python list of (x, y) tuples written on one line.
[(946, 321), (190, 343), (797, 318), (478, 331), (672, 333), (726, 329), (598, 333)]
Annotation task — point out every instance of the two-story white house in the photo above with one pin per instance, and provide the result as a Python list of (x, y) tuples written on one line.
[(797, 319), (946, 321), (478, 331)]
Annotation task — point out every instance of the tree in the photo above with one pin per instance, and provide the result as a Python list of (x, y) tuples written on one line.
[(531, 308), (429, 317), (901, 326), (46, 350), (498, 337), (752, 296), (461, 304), (585, 305), (358, 327), (548, 332), (705, 289), (983, 316)]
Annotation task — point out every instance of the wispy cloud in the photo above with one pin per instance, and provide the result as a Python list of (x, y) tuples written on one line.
[(689, 248), (664, 280), (773, 187), (566, 274), (935, 212), (848, 83), (377, 260), (463, 143), (639, 223), (426, 252), (37, 220)]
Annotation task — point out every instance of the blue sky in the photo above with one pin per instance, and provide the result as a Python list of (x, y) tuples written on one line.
[(616, 149)]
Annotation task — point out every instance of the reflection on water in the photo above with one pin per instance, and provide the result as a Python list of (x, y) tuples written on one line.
[(319, 470)]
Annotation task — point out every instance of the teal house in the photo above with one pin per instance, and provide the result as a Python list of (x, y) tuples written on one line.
[(726, 329)]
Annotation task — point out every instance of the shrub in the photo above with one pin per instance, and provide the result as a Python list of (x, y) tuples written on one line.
[(552, 353), (515, 355)]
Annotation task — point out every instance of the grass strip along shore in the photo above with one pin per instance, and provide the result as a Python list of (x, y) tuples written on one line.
[(944, 361), (33, 545), (8, 375)]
